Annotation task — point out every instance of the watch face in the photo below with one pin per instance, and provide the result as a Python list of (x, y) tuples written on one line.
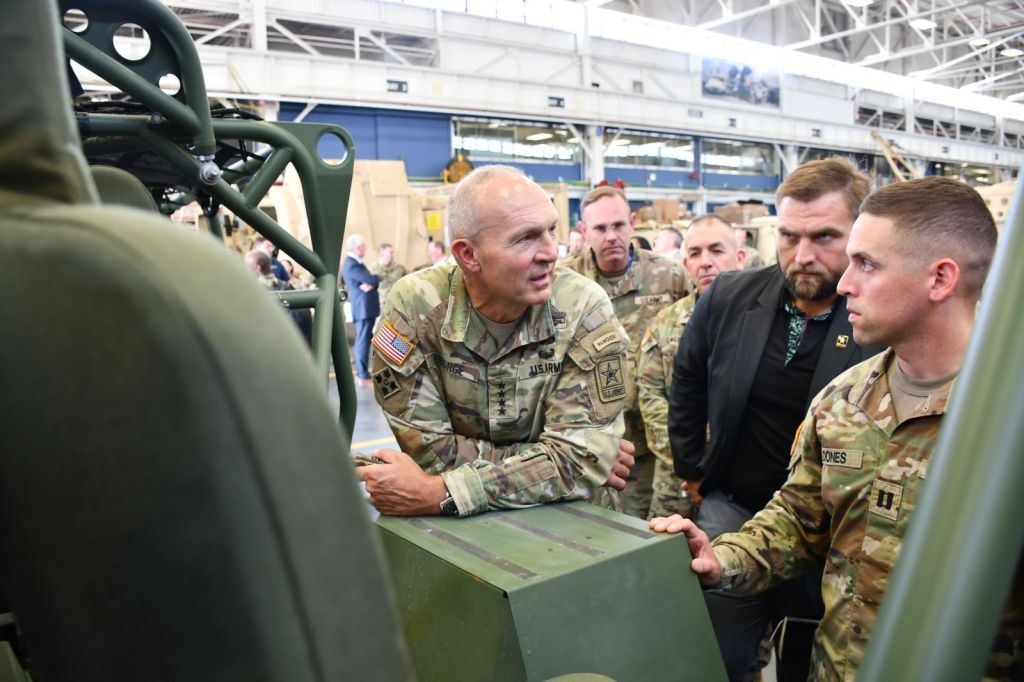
[(449, 508)]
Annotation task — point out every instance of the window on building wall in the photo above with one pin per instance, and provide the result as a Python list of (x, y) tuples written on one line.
[(514, 141), (737, 158), (655, 150), (972, 175)]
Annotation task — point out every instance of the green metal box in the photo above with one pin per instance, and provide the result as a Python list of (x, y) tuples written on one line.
[(537, 593)]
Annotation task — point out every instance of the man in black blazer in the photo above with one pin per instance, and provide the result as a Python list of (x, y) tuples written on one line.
[(365, 301), (759, 346)]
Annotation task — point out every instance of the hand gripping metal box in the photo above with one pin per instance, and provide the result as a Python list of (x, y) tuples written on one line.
[(537, 593)]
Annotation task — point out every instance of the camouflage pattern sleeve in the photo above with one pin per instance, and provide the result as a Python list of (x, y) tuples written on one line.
[(789, 534), (652, 392), (577, 439)]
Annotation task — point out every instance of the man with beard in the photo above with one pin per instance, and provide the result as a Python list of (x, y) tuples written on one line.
[(759, 346), (503, 377)]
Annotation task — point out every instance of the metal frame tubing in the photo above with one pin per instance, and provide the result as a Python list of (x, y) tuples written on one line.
[(947, 593)]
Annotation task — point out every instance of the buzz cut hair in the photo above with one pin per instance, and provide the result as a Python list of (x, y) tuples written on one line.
[(815, 179), (677, 236), (715, 218), (600, 193), (465, 202), (940, 217), (384, 246)]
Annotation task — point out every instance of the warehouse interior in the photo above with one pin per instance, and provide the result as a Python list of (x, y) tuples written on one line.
[(191, 521)]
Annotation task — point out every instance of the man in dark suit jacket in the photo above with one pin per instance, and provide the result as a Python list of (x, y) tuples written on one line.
[(365, 301), (759, 346)]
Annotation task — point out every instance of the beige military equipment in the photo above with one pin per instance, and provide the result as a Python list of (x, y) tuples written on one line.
[(650, 284), (535, 420)]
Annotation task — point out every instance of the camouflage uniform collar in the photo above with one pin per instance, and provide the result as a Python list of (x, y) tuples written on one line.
[(463, 324), (874, 397), (629, 281)]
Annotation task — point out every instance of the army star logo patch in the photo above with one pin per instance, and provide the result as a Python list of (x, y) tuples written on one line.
[(842, 341), (386, 382), (610, 384)]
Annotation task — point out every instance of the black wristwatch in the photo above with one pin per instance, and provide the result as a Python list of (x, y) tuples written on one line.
[(448, 506)]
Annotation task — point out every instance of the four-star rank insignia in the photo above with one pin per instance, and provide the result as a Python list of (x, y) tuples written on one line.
[(386, 382), (610, 382)]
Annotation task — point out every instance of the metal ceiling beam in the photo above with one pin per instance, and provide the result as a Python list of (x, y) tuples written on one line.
[(737, 16), (878, 24)]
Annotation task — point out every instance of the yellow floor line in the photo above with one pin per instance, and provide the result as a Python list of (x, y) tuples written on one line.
[(375, 441)]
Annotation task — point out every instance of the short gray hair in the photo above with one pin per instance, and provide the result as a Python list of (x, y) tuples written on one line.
[(354, 241), (464, 206)]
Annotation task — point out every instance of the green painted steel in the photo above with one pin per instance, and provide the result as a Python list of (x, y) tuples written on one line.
[(171, 52), (558, 589), (183, 135), (944, 601)]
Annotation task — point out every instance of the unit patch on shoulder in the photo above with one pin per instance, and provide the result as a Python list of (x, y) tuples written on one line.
[(391, 344), (606, 340), (386, 382), (610, 382)]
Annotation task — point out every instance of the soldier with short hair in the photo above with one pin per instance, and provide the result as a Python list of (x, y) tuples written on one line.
[(502, 377), (710, 247), (387, 270), (919, 254), (639, 284)]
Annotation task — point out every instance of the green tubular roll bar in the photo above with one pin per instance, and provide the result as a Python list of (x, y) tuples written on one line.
[(945, 598), (182, 132)]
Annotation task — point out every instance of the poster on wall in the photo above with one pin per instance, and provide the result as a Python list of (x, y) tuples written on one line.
[(723, 79)]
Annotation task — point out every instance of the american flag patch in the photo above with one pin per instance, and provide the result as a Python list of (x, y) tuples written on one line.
[(391, 344)]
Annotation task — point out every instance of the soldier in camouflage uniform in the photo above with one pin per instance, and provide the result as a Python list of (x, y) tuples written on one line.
[(260, 263), (640, 284), (387, 270), (710, 247), (919, 254), (503, 378)]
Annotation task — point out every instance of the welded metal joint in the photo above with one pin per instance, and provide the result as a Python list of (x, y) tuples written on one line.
[(209, 171)]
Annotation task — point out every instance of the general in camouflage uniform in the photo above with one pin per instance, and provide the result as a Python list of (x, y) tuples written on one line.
[(653, 377), (857, 472), (387, 270), (646, 284), (535, 420)]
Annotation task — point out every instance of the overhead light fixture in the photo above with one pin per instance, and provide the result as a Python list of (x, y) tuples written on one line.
[(622, 140), (537, 137), (980, 41), (922, 24), (858, 3), (1011, 52)]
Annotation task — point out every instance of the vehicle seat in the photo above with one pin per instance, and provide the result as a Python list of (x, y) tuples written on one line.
[(176, 500), (118, 187)]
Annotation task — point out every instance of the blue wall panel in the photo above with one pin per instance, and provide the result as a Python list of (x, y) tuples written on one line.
[(638, 177), (543, 172), (766, 183), (421, 139)]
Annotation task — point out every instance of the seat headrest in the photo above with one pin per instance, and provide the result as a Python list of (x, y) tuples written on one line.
[(121, 188)]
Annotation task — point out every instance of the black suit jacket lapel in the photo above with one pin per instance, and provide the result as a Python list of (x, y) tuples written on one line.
[(837, 353), (753, 335)]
